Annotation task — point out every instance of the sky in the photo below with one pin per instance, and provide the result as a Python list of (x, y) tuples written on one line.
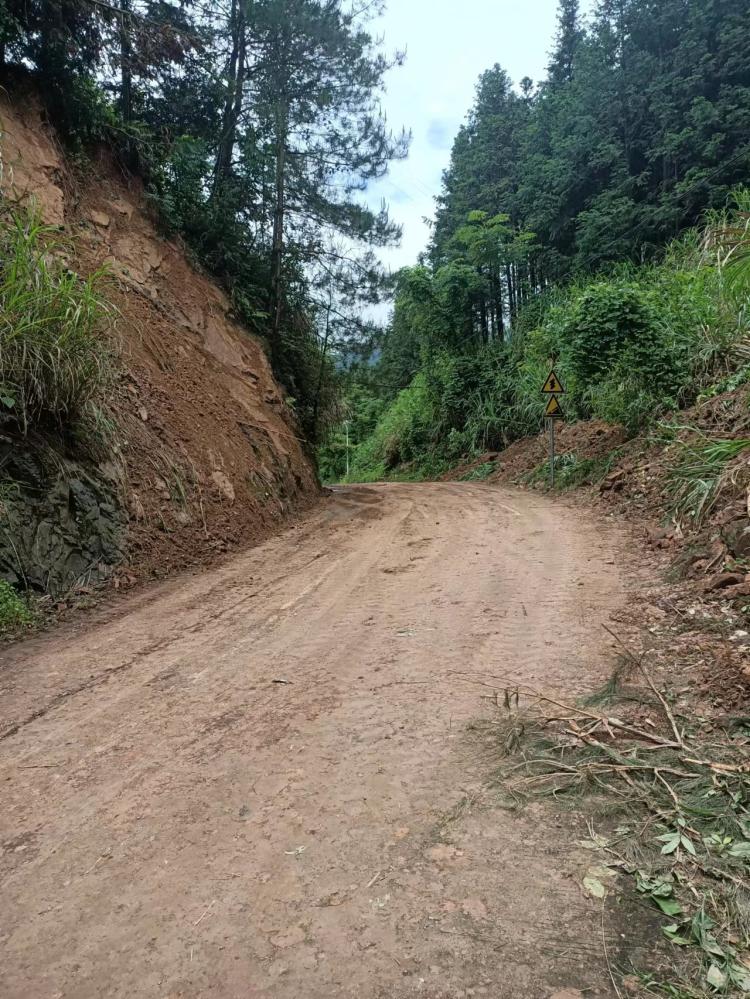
[(448, 44)]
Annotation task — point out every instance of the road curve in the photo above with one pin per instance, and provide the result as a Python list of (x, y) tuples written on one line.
[(257, 781)]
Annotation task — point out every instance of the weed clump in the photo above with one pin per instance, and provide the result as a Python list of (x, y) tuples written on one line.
[(54, 353), (681, 820), (14, 611), (705, 467)]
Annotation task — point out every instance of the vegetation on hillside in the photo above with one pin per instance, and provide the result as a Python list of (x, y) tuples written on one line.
[(255, 125), (596, 220), (629, 346), (55, 355), (15, 613)]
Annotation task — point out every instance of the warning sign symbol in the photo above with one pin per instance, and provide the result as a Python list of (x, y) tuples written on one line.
[(553, 385), (554, 410)]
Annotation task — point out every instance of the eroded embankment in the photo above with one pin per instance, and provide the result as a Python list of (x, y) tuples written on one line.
[(207, 455)]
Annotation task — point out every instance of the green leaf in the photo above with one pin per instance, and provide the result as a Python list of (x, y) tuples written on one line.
[(687, 843), (716, 977), (594, 887), (671, 843), (669, 906), (672, 933), (711, 946), (740, 976), (8, 401)]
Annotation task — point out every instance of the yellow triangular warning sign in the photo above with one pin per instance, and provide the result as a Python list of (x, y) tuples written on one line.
[(553, 385), (554, 410)]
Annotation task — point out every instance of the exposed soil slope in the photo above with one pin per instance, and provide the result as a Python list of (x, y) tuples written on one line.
[(259, 782), (212, 457)]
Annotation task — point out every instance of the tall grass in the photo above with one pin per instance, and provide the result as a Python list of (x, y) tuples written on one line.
[(55, 355), (704, 468), (729, 242)]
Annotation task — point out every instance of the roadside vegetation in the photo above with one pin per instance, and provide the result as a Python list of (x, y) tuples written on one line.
[(57, 369), (56, 358), (15, 613), (667, 798), (598, 220), (631, 346), (703, 468)]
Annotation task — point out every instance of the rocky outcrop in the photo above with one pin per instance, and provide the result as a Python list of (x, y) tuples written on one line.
[(736, 536), (62, 524)]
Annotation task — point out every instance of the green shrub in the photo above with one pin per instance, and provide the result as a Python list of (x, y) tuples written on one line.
[(622, 398), (608, 318), (404, 434), (54, 354), (14, 611)]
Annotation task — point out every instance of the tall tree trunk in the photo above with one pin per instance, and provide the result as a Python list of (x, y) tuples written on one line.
[(126, 63), (51, 61), (483, 326), (491, 308), (496, 297), (511, 292), (51, 35), (277, 246), (233, 101), (321, 370)]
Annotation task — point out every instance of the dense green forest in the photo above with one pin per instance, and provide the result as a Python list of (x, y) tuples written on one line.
[(256, 125), (596, 217), (581, 216)]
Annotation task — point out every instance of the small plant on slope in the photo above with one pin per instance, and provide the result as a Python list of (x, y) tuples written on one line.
[(704, 469), (14, 611), (54, 356)]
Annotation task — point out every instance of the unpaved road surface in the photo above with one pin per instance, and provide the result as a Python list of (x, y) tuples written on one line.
[(175, 822)]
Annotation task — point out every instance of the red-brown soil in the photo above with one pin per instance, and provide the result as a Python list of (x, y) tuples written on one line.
[(211, 457), (258, 781)]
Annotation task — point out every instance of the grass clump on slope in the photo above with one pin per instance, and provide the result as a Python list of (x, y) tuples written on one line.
[(54, 352)]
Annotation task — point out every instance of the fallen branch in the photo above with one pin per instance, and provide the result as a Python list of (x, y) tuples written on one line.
[(579, 712), (639, 664), (721, 768)]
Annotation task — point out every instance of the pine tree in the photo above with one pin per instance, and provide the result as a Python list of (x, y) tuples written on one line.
[(570, 34), (315, 79)]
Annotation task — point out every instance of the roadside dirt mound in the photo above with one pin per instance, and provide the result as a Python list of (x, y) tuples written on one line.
[(589, 440), (210, 452), (637, 478), (592, 439)]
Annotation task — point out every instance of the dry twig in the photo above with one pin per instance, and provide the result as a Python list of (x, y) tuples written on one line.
[(639, 664)]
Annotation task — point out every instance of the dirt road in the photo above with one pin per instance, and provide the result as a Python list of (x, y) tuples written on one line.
[(176, 821)]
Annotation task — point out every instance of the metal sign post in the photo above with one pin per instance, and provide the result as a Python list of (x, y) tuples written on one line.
[(553, 388), (552, 453)]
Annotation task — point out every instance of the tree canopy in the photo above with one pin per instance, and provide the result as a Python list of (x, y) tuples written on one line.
[(642, 123), (257, 126), (551, 231)]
